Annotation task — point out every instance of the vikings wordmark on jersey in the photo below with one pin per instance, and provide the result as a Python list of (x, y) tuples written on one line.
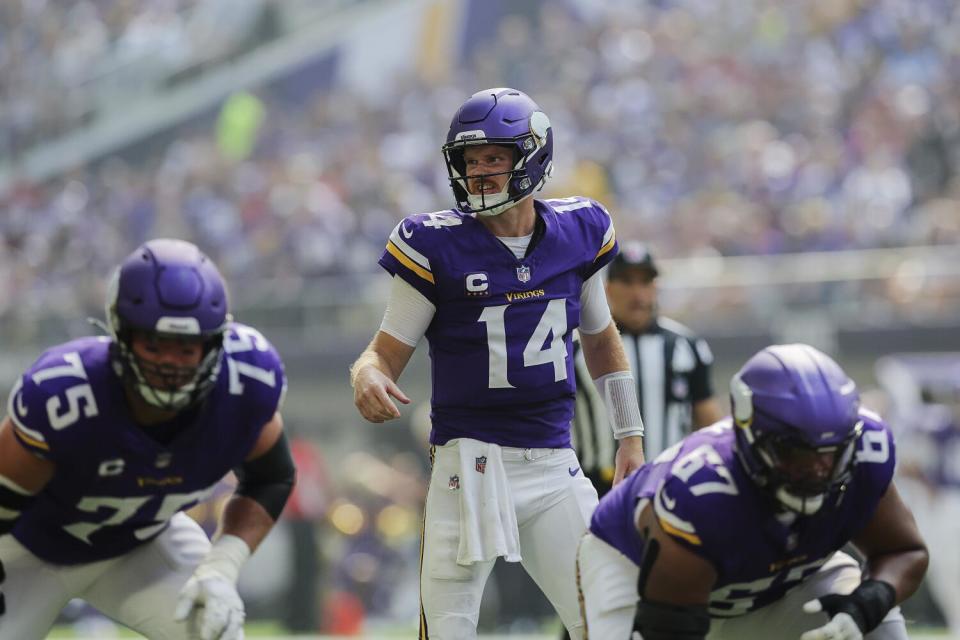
[(500, 342), (116, 486), (698, 488)]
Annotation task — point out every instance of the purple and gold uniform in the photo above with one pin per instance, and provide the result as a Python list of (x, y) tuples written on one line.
[(500, 341), (705, 500), (117, 484)]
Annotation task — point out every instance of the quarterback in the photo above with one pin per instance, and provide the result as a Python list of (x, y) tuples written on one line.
[(497, 285)]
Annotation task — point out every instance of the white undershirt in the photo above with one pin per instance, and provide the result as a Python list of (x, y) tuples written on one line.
[(517, 244), (409, 313)]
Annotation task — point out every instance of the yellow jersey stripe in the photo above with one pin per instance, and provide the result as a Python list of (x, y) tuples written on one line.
[(33, 442), (692, 538), (409, 264), (607, 247)]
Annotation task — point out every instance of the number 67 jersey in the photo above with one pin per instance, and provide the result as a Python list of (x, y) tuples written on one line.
[(500, 340), (115, 486), (704, 499)]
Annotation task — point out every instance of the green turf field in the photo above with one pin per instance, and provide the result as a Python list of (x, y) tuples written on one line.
[(267, 631)]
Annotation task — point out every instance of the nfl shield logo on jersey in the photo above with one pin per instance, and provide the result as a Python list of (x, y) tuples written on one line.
[(523, 273), (482, 464)]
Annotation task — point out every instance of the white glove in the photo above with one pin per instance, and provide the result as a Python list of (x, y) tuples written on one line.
[(213, 586), (840, 627)]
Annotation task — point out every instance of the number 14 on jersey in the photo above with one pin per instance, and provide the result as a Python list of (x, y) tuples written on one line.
[(553, 320)]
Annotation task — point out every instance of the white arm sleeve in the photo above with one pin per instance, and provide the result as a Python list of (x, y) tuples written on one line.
[(594, 310), (408, 313), (619, 391)]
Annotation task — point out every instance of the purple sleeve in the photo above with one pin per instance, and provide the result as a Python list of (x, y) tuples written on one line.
[(26, 410), (407, 255), (876, 456), (688, 515), (52, 397), (603, 238), (255, 373)]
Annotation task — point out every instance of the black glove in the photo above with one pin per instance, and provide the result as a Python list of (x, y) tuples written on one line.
[(867, 605)]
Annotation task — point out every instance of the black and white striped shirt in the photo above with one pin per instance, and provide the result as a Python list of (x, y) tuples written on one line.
[(672, 369)]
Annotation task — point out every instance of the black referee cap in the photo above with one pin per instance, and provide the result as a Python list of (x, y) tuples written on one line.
[(633, 255)]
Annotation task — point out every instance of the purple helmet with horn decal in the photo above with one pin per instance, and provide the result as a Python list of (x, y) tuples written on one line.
[(509, 118), (797, 420), (168, 288)]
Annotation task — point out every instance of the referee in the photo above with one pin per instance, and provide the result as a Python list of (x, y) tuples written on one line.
[(670, 364)]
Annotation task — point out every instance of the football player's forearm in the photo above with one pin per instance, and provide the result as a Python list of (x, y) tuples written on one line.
[(246, 519), (603, 352), (370, 358), (384, 353), (903, 570)]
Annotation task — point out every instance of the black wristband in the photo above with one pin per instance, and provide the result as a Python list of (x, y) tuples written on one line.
[(874, 599)]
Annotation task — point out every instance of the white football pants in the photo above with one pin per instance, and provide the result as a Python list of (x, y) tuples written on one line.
[(553, 502), (138, 590), (608, 585)]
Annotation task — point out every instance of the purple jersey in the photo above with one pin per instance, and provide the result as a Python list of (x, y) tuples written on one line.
[(114, 486), (704, 499), (500, 341)]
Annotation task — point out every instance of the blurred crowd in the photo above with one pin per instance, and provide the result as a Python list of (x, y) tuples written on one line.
[(728, 127), (61, 61)]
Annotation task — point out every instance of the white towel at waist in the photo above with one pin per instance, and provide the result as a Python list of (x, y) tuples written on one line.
[(488, 519)]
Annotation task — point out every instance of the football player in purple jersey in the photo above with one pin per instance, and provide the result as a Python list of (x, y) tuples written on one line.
[(735, 532), (497, 285), (108, 439)]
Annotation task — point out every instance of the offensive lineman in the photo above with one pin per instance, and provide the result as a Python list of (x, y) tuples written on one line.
[(108, 439), (734, 533)]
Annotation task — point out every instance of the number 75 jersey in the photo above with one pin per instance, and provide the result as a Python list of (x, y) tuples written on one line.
[(114, 486), (500, 340)]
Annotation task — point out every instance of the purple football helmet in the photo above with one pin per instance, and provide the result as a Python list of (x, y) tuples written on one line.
[(504, 117), (797, 421), (168, 288)]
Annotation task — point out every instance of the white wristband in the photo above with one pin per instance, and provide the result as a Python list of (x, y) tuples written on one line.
[(226, 557), (619, 391)]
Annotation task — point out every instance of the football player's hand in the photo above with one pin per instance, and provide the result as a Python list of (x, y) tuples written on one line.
[(854, 615), (372, 390), (629, 458), (217, 604), (840, 627)]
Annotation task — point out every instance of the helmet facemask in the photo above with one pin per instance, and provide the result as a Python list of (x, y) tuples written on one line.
[(167, 295), (798, 474), (516, 188), (165, 386), (802, 476), (507, 118)]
